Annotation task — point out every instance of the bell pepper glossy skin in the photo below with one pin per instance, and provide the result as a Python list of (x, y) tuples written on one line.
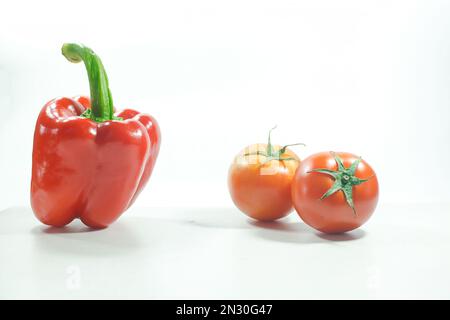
[(88, 169)]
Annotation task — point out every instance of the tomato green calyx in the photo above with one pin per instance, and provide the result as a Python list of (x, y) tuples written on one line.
[(272, 154), (344, 179), (101, 99)]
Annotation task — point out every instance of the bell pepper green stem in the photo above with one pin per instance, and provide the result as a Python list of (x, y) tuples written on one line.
[(102, 108)]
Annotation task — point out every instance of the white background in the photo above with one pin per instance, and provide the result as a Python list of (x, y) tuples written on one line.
[(368, 77)]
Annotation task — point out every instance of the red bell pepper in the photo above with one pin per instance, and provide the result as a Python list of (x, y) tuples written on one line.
[(89, 162)]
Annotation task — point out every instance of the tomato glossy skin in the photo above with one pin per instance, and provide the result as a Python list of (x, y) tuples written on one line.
[(333, 214), (262, 190)]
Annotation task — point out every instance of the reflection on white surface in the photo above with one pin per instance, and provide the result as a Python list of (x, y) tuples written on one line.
[(219, 253)]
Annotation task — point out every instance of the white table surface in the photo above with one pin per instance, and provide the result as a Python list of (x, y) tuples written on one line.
[(209, 253)]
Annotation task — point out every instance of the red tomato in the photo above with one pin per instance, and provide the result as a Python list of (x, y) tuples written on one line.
[(334, 192), (260, 178)]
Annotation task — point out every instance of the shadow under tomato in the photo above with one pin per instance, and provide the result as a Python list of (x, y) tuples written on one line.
[(347, 236), (298, 232), (287, 232), (280, 225)]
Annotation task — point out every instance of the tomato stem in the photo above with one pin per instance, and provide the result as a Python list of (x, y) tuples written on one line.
[(344, 179), (272, 154), (269, 144)]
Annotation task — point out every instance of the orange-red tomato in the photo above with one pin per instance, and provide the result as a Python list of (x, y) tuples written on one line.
[(260, 186), (333, 197)]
